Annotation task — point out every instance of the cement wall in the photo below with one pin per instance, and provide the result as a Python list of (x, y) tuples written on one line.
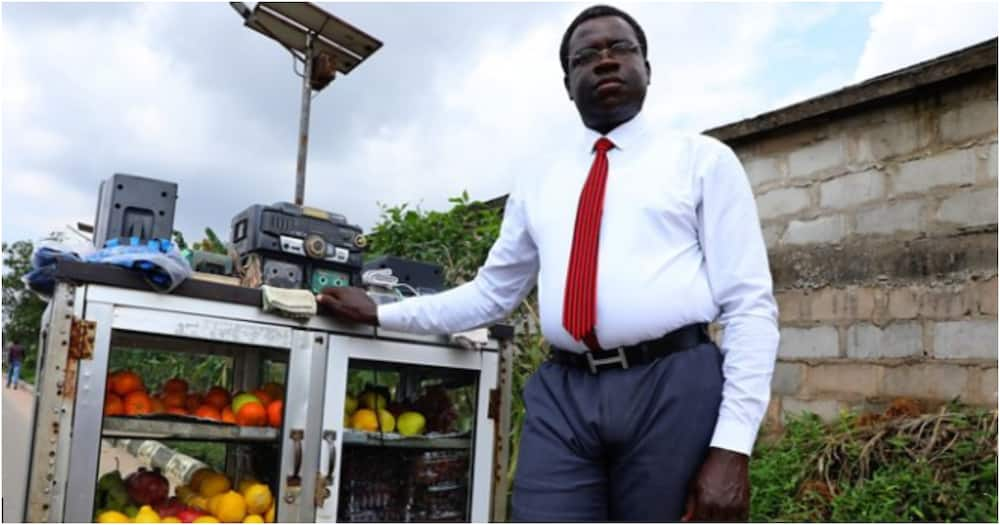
[(881, 226)]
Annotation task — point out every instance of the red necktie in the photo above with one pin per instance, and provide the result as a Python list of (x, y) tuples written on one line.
[(580, 301)]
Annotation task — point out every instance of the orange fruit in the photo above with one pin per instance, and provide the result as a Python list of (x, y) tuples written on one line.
[(274, 411), (228, 416), (262, 396), (274, 390), (177, 410), (252, 414), (208, 412), (174, 399), (175, 385), (124, 382), (192, 402), (113, 405), (217, 397), (364, 419), (213, 484), (137, 403), (197, 477), (157, 406)]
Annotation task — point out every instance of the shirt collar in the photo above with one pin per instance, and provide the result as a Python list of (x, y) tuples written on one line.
[(624, 136)]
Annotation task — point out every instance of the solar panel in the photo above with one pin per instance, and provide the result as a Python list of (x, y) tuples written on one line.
[(334, 29), (294, 37)]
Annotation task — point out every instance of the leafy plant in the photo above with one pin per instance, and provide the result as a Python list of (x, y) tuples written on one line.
[(22, 309)]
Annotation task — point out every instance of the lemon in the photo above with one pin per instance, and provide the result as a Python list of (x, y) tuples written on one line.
[(146, 514), (411, 423), (258, 498), (386, 420), (112, 516), (269, 515), (213, 503), (198, 502), (185, 493), (231, 508), (246, 482), (372, 400), (253, 518), (213, 484), (206, 519)]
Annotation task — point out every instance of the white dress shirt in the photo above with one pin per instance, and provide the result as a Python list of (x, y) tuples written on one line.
[(680, 243)]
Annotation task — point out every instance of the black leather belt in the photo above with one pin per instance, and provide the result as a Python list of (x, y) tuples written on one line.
[(635, 355)]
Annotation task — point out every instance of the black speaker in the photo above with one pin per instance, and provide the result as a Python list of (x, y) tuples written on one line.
[(132, 206)]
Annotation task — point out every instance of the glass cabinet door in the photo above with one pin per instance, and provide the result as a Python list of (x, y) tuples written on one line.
[(215, 399), (412, 438)]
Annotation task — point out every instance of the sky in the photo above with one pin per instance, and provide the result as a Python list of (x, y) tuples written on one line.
[(461, 97)]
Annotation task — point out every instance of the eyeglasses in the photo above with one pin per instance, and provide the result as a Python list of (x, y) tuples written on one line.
[(590, 55)]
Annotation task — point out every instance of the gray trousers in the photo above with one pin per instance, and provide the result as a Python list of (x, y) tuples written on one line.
[(622, 445)]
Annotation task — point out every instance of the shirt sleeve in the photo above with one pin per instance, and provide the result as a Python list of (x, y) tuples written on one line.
[(500, 285), (740, 280)]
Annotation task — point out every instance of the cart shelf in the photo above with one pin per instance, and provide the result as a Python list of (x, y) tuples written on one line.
[(122, 427), (373, 439)]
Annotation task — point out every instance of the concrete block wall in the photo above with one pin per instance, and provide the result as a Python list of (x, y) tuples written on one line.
[(881, 228)]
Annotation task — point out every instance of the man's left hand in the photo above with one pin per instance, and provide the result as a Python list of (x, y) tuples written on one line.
[(721, 490)]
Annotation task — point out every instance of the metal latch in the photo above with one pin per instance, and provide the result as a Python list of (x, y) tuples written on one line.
[(323, 483), (293, 483)]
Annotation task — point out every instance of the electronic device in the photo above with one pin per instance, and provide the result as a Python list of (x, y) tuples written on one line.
[(131, 206), (421, 276), (298, 247), (209, 262)]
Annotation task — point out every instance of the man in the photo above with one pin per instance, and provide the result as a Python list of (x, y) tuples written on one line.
[(15, 356), (636, 240)]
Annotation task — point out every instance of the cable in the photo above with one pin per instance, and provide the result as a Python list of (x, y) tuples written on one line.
[(408, 287)]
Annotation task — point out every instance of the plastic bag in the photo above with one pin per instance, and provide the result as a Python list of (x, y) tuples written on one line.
[(160, 261)]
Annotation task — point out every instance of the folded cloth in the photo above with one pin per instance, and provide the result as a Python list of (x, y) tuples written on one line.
[(41, 279), (472, 339), (297, 304)]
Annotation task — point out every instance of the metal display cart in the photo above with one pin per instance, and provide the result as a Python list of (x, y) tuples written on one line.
[(318, 469)]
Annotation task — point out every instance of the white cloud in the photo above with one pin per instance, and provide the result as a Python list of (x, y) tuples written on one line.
[(182, 92), (905, 33)]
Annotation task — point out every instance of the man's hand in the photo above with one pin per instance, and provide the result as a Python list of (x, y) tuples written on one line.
[(721, 490), (351, 304)]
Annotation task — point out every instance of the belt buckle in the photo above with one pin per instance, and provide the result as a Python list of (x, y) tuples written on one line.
[(594, 363)]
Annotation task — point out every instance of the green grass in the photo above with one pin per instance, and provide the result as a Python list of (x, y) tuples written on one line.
[(935, 467)]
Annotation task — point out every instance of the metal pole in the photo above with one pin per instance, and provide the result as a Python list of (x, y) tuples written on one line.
[(300, 171)]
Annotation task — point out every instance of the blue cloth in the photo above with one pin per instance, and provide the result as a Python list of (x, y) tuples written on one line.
[(622, 445), (160, 262)]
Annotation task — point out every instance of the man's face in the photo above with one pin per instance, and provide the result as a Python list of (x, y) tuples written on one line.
[(608, 87)]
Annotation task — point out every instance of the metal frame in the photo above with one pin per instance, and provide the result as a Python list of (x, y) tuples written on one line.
[(303, 408), (502, 432), (344, 348), (50, 438), (71, 387), (85, 447)]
